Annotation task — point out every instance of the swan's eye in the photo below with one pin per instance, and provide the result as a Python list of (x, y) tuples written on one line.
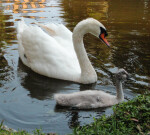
[(106, 34), (103, 31)]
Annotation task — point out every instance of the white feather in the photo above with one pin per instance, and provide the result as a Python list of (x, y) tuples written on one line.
[(53, 54)]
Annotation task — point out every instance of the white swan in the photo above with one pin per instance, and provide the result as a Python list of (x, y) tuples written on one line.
[(93, 98), (57, 52)]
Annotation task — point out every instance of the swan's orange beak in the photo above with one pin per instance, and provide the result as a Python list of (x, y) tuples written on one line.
[(102, 37)]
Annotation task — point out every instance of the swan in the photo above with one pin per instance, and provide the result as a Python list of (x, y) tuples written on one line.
[(94, 98), (54, 51)]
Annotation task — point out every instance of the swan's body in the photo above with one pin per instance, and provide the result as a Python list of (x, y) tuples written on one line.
[(93, 98), (59, 53)]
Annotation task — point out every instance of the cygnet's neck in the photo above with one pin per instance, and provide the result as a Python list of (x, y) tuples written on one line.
[(88, 74), (120, 94)]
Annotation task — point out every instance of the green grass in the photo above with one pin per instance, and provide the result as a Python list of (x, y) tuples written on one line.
[(3, 131), (129, 118)]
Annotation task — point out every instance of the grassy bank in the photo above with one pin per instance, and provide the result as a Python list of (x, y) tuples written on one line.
[(129, 118), (7, 131)]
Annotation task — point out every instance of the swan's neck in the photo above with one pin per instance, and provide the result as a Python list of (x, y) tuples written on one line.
[(88, 74), (120, 94)]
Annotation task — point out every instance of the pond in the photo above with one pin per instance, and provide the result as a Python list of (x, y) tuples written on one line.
[(26, 98)]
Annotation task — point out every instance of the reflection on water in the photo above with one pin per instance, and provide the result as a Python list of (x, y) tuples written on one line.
[(75, 11), (17, 5), (26, 98), (35, 83)]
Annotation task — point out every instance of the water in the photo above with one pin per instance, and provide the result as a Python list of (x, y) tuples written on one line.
[(26, 98)]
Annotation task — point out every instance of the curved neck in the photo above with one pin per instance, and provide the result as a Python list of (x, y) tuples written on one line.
[(120, 94), (88, 74)]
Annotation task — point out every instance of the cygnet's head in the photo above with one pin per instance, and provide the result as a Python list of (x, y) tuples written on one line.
[(94, 27), (122, 75)]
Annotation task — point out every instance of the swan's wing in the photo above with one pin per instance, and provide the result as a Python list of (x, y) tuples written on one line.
[(45, 55), (60, 33), (57, 30)]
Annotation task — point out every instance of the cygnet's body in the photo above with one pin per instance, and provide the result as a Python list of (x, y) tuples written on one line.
[(93, 98)]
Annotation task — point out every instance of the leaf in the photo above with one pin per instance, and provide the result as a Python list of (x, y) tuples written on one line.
[(1, 124), (134, 119), (148, 127), (139, 128)]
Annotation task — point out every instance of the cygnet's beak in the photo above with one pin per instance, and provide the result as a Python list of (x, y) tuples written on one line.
[(102, 37), (128, 76)]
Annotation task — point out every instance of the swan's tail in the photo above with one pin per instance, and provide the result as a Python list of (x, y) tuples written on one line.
[(20, 29), (21, 26)]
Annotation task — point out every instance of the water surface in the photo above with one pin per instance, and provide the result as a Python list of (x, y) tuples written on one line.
[(26, 98)]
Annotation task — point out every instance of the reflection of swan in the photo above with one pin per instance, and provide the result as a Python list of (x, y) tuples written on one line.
[(93, 98), (54, 55), (41, 87)]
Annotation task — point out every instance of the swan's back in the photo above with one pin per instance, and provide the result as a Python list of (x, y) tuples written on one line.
[(47, 54)]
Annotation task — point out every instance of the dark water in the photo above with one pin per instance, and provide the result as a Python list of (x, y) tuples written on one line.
[(26, 98)]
